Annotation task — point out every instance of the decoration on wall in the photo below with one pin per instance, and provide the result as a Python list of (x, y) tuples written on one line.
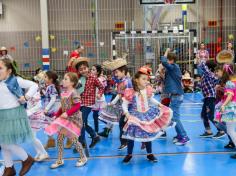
[(26, 65), (53, 49), (52, 37), (65, 53), (91, 55), (207, 40), (101, 44), (65, 41), (26, 44), (231, 37), (88, 44), (13, 48), (120, 26), (219, 39), (76, 42), (40, 62), (218, 48), (104, 55), (37, 38)]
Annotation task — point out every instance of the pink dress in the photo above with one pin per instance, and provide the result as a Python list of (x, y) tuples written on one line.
[(73, 123)]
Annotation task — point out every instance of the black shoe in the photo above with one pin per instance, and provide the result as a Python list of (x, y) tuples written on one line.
[(219, 135), (105, 132), (152, 158), (163, 136), (95, 140), (230, 145), (127, 158), (233, 156), (206, 135), (123, 146)]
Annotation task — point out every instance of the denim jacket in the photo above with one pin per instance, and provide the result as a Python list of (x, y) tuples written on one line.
[(14, 87)]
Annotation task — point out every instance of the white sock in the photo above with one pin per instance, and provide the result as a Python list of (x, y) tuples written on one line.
[(38, 145), (7, 157), (18, 151)]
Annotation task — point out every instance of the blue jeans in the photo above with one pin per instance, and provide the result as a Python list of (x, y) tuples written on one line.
[(85, 113), (175, 102)]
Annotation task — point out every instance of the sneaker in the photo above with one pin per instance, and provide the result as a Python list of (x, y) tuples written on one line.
[(105, 132), (41, 157), (233, 156), (152, 158), (176, 139), (57, 164), (127, 158), (163, 136), (81, 162), (95, 140), (206, 135), (230, 145), (219, 135), (182, 141), (123, 146)]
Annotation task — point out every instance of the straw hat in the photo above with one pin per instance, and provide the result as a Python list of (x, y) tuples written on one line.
[(75, 61), (225, 56), (114, 64), (145, 70), (3, 48), (186, 76)]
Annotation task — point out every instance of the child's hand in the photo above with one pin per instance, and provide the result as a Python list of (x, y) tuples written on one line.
[(64, 115), (45, 111), (222, 108), (22, 100), (99, 96)]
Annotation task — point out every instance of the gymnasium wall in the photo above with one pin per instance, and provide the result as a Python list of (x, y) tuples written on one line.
[(73, 21)]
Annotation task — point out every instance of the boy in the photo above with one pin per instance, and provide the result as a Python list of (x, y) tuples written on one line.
[(89, 83), (173, 87)]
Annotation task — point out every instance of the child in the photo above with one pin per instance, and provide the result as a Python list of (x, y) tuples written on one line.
[(228, 106), (100, 104), (221, 72), (146, 116), (50, 101), (208, 84), (14, 127), (113, 113), (69, 121), (187, 82), (37, 122), (89, 84), (173, 87)]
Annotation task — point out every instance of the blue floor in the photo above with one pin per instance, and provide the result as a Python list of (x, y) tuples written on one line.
[(200, 157)]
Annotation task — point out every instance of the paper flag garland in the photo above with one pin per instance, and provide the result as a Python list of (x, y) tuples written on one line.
[(26, 44), (40, 62), (76, 42), (88, 44), (103, 55), (231, 36), (65, 41), (26, 65), (219, 39), (37, 38), (52, 37), (101, 44), (53, 50)]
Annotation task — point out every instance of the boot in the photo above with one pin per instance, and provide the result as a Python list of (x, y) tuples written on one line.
[(26, 165), (68, 144), (50, 144), (105, 132), (9, 171)]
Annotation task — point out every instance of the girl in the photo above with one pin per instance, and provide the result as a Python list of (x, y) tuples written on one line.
[(146, 116), (228, 106), (101, 103), (69, 120), (50, 100), (37, 121), (222, 72), (14, 126)]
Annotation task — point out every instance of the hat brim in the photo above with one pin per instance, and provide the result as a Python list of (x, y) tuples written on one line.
[(224, 57), (78, 60)]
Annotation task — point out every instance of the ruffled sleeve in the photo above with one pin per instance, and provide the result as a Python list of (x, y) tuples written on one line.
[(129, 94), (229, 88), (149, 91)]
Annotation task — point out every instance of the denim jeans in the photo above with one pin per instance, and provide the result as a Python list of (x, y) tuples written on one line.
[(85, 113), (175, 102), (95, 118), (131, 146)]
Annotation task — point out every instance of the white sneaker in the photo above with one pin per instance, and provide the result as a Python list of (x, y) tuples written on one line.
[(81, 162), (57, 164), (42, 157)]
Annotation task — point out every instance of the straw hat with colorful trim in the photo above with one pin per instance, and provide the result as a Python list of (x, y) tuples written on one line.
[(75, 61), (3, 48), (114, 64), (225, 57)]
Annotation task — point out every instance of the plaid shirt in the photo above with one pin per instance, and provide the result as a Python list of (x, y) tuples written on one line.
[(88, 97), (208, 82)]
